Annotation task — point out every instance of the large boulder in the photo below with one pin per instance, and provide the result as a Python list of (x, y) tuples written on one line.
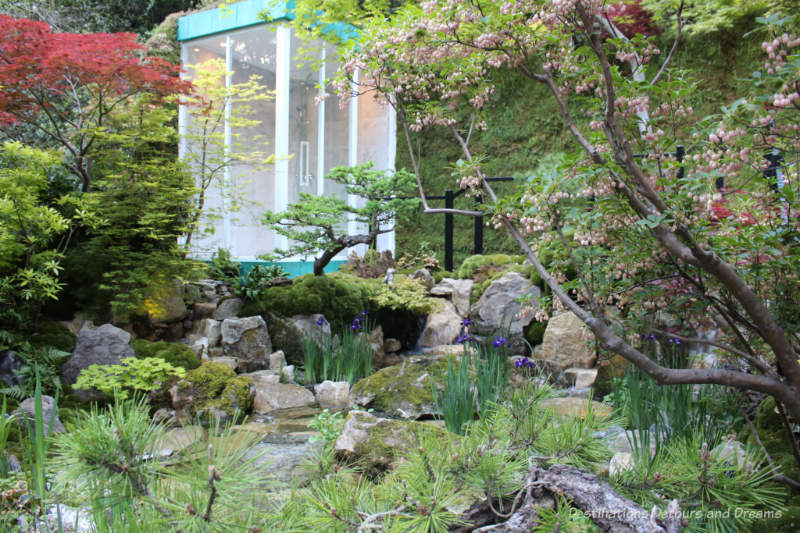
[(458, 290), (228, 308), (497, 310), (26, 415), (376, 442), (287, 333), (274, 396), (106, 345), (246, 339), (404, 390), (441, 327), (565, 343)]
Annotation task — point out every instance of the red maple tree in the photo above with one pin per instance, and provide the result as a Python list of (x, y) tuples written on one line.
[(66, 85)]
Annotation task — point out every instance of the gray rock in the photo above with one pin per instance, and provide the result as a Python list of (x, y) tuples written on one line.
[(26, 415), (266, 377), (210, 329), (424, 276), (392, 345), (496, 312), (273, 396), (204, 310), (10, 363), (228, 308), (106, 345), (247, 340), (733, 453), (565, 343), (333, 394), (287, 333), (376, 343), (441, 327), (458, 290)]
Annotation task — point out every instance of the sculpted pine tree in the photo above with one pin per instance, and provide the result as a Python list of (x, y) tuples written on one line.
[(319, 224)]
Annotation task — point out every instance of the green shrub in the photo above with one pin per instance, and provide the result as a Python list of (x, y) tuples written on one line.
[(339, 299), (252, 284), (222, 267), (132, 375), (174, 353)]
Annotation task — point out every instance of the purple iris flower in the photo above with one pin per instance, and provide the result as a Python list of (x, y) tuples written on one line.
[(498, 341), (321, 321), (466, 322), (463, 338)]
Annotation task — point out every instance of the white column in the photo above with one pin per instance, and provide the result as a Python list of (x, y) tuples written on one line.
[(226, 221), (282, 88), (321, 127), (352, 152)]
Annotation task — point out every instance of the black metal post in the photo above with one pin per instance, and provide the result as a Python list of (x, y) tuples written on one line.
[(478, 232), (448, 231), (680, 151)]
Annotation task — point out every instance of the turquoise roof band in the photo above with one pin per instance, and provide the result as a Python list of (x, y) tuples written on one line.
[(232, 17)]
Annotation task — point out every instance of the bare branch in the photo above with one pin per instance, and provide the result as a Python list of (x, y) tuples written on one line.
[(671, 50)]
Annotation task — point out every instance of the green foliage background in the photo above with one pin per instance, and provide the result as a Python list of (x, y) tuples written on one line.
[(525, 130)]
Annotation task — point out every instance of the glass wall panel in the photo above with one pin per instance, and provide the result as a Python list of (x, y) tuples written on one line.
[(337, 129), (253, 54), (374, 137), (209, 235), (303, 79)]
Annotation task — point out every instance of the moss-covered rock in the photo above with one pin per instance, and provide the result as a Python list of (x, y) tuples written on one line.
[(174, 353), (471, 264), (404, 390), (212, 388), (376, 443), (338, 299), (55, 334)]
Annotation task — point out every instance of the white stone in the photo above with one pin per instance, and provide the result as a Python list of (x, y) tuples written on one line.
[(621, 462), (442, 327), (581, 378), (333, 394), (273, 396), (277, 360)]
